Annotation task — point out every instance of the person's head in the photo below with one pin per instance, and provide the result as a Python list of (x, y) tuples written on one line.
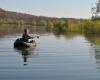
[(26, 31)]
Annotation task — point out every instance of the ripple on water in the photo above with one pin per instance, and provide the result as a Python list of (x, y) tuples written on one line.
[(52, 59)]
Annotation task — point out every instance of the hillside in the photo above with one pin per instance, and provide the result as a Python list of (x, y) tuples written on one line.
[(15, 17), (10, 17)]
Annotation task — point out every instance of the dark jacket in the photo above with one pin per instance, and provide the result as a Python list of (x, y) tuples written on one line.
[(26, 37)]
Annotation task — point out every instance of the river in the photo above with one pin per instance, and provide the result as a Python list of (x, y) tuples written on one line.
[(54, 58)]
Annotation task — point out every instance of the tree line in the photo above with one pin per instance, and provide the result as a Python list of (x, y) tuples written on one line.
[(50, 23)]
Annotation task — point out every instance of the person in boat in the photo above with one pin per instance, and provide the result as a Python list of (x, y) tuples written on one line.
[(26, 36)]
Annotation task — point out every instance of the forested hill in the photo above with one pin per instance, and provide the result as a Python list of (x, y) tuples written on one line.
[(49, 23), (9, 17)]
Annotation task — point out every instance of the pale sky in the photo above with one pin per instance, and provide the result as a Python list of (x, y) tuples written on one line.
[(51, 8)]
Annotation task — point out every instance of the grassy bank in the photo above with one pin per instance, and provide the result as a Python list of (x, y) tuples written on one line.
[(81, 26)]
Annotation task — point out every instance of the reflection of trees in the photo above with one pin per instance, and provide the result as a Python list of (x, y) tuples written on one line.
[(68, 34), (27, 53), (95, 41), (97, 55), (6, 29)]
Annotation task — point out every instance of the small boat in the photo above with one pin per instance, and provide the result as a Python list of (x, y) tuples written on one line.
[(21, 43)]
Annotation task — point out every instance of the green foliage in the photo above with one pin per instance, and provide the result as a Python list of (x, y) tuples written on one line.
[(84, 26), (92, 27), (60, 26), (75, 26), (50, 24), (34, 23)]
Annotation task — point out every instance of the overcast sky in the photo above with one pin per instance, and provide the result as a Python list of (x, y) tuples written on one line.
[(51, 8)]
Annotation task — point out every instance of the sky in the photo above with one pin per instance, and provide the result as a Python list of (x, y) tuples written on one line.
[(51, 8)]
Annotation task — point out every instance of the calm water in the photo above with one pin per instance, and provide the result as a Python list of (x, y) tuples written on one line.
[(54, 58)]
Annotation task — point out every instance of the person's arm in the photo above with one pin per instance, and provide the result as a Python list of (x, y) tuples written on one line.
[(29, 36)]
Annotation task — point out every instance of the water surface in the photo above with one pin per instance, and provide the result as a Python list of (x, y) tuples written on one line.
[(54, 58)]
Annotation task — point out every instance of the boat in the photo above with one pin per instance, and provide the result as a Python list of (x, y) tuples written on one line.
[(21, 43)]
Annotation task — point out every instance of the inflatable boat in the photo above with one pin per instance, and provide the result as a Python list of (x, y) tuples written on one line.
[(21, 43)]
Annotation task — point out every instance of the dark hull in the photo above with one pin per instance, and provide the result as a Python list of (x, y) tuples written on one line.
[(19, 43)]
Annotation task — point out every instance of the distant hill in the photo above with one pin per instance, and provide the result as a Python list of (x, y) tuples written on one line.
[(10, 17)]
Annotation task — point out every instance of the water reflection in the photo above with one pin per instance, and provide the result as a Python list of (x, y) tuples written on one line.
[(95, 47), (94, 41), (96, 51), (6, 29), (70, 59), (67, 35), (27, 53)]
